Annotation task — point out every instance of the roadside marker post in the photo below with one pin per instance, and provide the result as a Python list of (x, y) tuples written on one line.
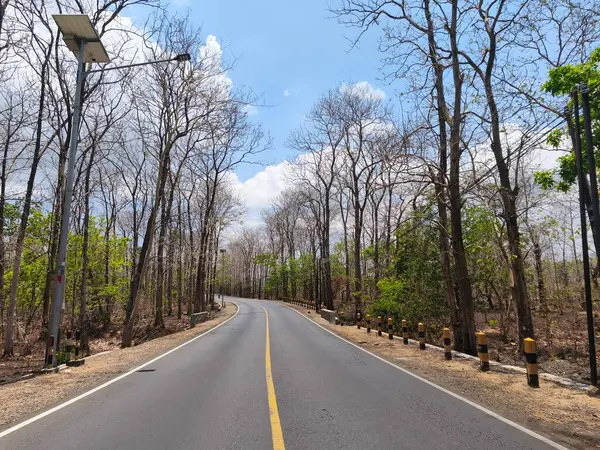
[(421, 336), (482, 350), (531, 359), (390, 329), (379, 325), (69, 345), (447, 344), (77, 346), (404, 333), (368, 323), (50, 355), (358, 317)]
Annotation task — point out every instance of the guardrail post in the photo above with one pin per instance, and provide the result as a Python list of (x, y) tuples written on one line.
[(404, 332), (368, 323), (358, 317), (421, 336), (447, 344), (533, 379), (379, 325), (482, 350), (390, 328)]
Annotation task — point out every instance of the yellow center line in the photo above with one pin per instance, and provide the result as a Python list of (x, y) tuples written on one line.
[(276, 431)]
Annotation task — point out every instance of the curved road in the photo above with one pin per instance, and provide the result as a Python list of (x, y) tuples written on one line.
[(215, 393)]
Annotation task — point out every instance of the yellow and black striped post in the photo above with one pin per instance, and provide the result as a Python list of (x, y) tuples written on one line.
[(379, 325), (77, 346), (404, 332), (482, 350), (421, 336), (447, 344), (358, 317), (368, 323), (50, 355), (531, 357), (390, 329), (69, 345)]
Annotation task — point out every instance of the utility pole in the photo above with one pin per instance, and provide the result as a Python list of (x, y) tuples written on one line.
[(584, 239), (591, 162)]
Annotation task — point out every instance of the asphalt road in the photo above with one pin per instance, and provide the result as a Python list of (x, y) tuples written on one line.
[(213, 394)]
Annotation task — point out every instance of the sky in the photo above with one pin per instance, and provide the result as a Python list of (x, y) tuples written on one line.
[(288, 53)]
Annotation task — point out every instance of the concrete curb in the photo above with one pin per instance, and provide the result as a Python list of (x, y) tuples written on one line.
[(64, 366)]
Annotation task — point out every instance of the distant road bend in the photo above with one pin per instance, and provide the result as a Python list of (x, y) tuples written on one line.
[(308, 389)]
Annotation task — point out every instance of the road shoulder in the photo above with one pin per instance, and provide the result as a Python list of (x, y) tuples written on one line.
[(567, 416), (23, 399)]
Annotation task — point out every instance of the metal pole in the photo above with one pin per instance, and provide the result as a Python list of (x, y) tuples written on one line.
[(58, 290), (584, 240), (587, 123)]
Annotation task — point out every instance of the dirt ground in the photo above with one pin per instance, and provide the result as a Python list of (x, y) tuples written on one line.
[(566, 415), (29, 355), (21, 399), (561, 337)]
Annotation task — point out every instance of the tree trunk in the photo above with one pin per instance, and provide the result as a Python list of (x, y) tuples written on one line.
[(170, 250), (509, 199), (12, 303), (466, 312), (180, 282), (358, 294), (140, 269), (83, 321), (541, 287)]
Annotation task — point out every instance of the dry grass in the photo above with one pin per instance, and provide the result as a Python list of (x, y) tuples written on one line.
[(568, 415), (24, 398)]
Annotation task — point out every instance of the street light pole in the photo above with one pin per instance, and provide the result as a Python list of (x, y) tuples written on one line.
[(88, 48), (58, 290)]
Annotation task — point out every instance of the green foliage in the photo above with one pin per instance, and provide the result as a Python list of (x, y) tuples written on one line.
[(415, 290), (561, 82), (269, 261), (487, 270), (62, 357), (544, 179), (34, 265)]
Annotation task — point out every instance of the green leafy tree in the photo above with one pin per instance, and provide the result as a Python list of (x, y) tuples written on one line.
[(561, 82), (415, 290)]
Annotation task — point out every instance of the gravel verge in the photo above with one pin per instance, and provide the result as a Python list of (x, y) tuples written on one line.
[(25, 398)]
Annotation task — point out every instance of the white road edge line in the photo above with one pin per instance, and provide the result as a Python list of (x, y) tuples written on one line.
[(446, 391), (108, 383)]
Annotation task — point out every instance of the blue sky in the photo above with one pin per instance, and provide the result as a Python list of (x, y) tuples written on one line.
[(285, 45)]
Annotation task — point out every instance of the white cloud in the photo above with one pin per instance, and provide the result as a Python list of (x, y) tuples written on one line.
[(287, 93), (250, 110), (536, 153), (365, 89), (258, 192)]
